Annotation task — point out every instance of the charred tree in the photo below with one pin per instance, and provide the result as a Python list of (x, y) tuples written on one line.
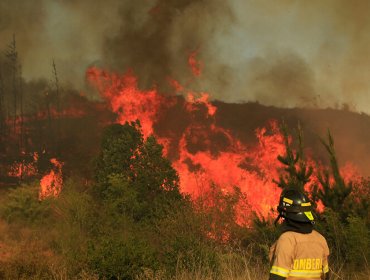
[(12, 55), (58, 113), (49, 122), (2, 109), (15, 100), (21, 113)]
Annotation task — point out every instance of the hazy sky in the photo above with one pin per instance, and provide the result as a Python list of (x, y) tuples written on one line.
[(284, 53)]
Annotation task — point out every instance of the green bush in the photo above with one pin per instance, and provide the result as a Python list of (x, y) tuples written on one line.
[(75, 207), (333, 229), (115, 258), (22, 204), (261, 237), (101, 236), (348, 241), (358, 240), (130, 165), (76, 222), (189, 239), (26, 266)]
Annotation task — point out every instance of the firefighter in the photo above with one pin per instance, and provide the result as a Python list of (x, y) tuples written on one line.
[(300, 252)]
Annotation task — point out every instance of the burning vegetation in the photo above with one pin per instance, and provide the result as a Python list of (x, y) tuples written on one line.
[(169, 187), (51, 184), (204, 154), (156, 180)]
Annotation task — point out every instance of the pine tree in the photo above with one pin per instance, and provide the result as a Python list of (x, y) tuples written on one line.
[(333, 193), (298, 172)]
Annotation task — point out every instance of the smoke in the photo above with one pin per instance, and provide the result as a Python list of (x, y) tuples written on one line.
[(23, 17), (70, 32), (286, 53)]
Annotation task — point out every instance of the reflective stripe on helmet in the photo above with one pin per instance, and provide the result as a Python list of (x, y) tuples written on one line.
[(309, 215), (287, 200)]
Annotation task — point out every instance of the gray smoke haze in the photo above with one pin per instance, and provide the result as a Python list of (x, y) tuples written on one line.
[(282, 53)]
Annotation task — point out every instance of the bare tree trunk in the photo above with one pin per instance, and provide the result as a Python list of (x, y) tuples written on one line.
[(2, 107), (3, 132), (21, 136), (13, 57), (57, 90), (49, 129)]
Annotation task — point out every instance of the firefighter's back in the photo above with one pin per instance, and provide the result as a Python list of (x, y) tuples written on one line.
[(302, 256)]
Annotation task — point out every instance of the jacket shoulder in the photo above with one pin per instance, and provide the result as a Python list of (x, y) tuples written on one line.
[(287, 237), (318, 235)]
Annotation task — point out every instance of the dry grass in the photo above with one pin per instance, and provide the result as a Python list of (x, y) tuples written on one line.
[(232, 266), (240, 267)]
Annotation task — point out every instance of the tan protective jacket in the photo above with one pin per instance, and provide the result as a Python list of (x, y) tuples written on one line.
[(299, 256)]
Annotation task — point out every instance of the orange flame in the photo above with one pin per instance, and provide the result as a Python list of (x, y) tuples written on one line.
[(22, 169), (195, 65), (51, 184), (201, 160), (127, 100)]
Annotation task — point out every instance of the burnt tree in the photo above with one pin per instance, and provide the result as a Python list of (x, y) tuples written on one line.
[(12, 56), (58, 112)]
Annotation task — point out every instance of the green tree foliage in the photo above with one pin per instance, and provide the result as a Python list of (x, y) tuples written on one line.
[(22, 205), (331, 226), (187, 239), (135, 190), (295, 175), (114, 258), (360, 195), (263, 234), (132, 166), (119, 146), (334, 193), (358, 240), (345, 220), (297, 172)]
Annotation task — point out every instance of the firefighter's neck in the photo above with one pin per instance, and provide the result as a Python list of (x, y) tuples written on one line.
[(289, 225)]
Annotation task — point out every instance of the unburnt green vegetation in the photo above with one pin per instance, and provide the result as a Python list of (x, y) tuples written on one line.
[(132, 222)]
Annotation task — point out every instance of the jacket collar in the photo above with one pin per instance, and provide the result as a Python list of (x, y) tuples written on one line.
[(289, 225)]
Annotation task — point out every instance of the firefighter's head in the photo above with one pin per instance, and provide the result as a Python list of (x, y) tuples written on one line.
[(295, 205)]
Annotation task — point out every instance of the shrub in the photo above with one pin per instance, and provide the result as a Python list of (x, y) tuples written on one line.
[(77, 222), (358, 240), (182, 239), (22, 204), (261, 237), (115, 258), (129, 164), (333, 229)]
